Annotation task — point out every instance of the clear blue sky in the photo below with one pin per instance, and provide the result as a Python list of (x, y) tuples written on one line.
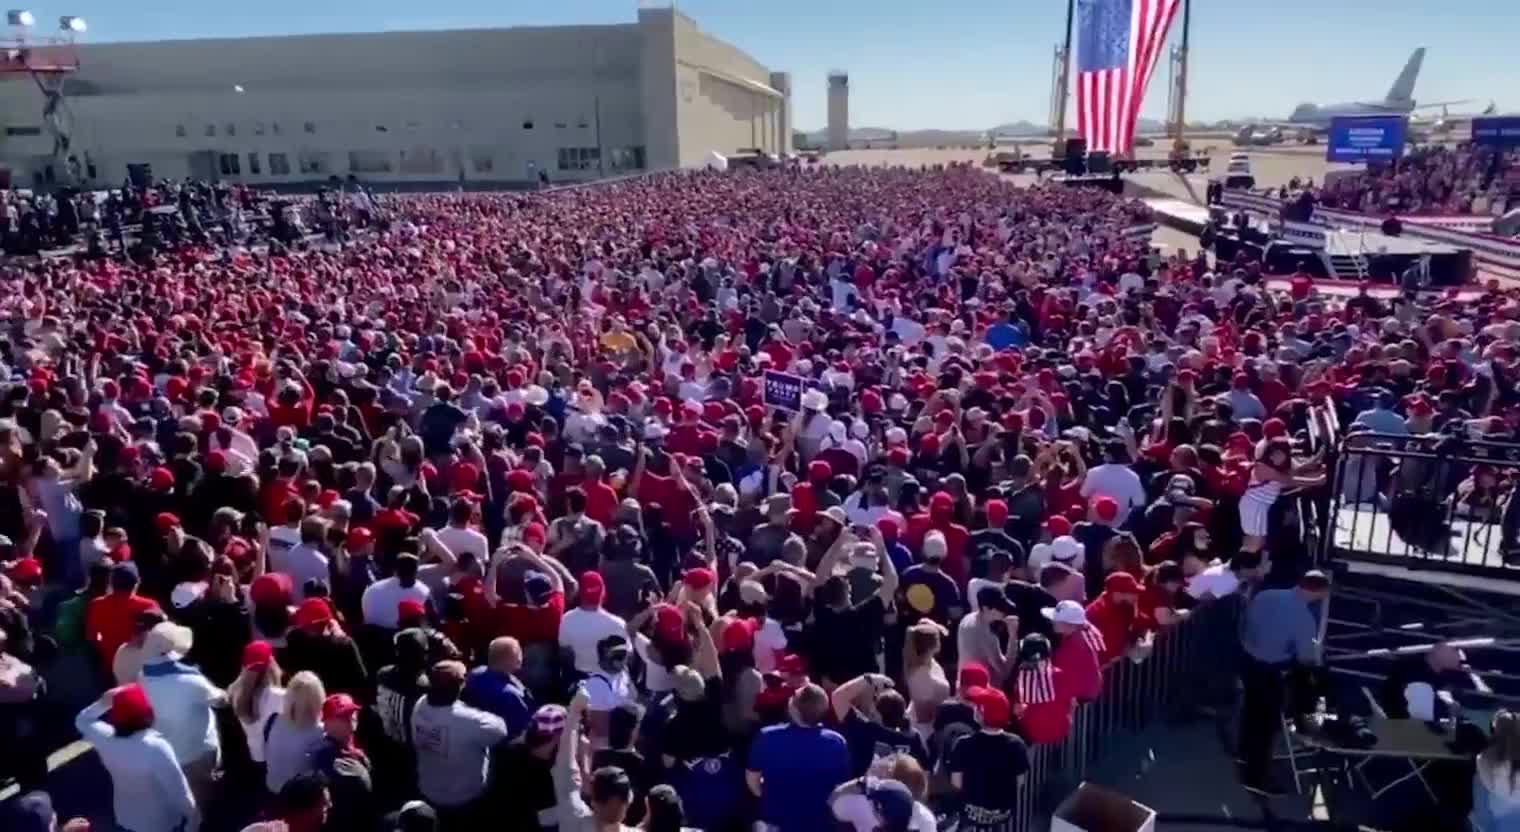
[(960, 64)]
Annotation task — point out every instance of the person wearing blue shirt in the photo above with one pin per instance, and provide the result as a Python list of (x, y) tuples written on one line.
[(1279, 634), (496, 689), (794, 768), (1004, 334), (1380, 418)]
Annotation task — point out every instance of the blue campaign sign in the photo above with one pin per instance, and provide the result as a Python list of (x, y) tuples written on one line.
[(783, 390), (1366, 138), (1496, 131)]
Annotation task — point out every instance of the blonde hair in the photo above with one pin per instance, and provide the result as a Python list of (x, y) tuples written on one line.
[(303, 698), (249, 687)]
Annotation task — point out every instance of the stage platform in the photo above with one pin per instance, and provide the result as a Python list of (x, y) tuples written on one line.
[(1183, 216), (1384, 291)]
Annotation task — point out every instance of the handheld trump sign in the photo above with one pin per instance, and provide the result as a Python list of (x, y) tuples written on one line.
[(1366, 138), (1497, 131), (783, 390)]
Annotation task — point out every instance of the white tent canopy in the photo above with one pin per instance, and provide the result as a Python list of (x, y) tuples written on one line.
[(717, 161)]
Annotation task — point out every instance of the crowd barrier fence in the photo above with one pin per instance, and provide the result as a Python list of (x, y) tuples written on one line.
[(1186, 663)]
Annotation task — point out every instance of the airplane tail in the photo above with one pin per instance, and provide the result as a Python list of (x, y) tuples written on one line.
[(1402, 90)]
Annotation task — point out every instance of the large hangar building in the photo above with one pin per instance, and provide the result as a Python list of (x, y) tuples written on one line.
[(482, 106)]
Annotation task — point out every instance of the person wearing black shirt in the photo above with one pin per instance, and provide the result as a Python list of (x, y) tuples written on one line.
[(1419, 685), (995, 538), (846, 633), (1057, 582), (987, 766), (873, 719), (622, 733), (1026, 503)]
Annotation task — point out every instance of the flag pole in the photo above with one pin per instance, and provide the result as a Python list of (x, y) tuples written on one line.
[(1065, 75), (1179, 143)]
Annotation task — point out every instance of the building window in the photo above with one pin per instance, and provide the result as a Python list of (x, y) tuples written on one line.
[(179, 130), (380, 128), (23, 131), (211, 130), (310, 127), (582, 123), (279, 164), (528, 125), (626, 158), (231, 129), (253, 164), (369, 161), (579, 158), (481, 160), (312, 163), (421, 160), (231, 164), (258, 128)]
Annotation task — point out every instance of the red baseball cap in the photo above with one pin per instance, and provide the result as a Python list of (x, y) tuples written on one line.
[(1057, 525), (593, 588), (1106, 508), (359, 537), (257, 655), (410, 611), (165, 521), (130, 706), (339, 705), (699, 578), (997, 512), (669, 623), (271, 589), (1122, 582), (739, 636), (993, 705), (161, 479), (313, 611)]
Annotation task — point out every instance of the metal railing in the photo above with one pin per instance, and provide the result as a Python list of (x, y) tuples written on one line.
[(1134, 695), (1398, 500)]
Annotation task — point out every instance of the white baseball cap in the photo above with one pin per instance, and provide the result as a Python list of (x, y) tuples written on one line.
[(1065, 548), (1066, 612)]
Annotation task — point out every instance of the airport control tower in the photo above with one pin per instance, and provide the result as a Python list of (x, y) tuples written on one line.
[(839, 111)]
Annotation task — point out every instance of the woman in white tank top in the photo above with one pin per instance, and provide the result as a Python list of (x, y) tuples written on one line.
[(1270, 476)]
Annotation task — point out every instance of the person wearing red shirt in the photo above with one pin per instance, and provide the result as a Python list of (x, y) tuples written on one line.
[(535, 623), (686, 437), (110, 619), (1041, 694), (1081, 645), (1158, 599), (805, 496), (941, 517), (671, 491), (601, 498), (1115, 615)]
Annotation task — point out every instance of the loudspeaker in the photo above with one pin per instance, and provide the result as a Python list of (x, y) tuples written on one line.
[(1076, 148), (1099, 163), (140, 174)]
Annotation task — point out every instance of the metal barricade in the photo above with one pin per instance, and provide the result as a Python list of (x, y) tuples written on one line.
[(1431, 502), (1134, 695)]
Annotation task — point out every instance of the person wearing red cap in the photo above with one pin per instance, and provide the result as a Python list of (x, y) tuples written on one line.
[(986, 766), (941, 517), (583, 628), (257, 694), (1115, 615), (149, 792), (344, 765), (318, 643), (1094, 533)]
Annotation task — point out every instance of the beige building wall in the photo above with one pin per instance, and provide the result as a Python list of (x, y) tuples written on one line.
[(494, 105)]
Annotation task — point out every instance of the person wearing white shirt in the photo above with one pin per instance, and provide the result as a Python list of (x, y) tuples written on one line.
[(458, 537), (381, 600), (581, 629), (1215, 581), (305, 562), (182, 700), (149, 791), (856, 803), (1115, 479)]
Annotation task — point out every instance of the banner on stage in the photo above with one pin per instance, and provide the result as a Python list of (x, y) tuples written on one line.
[(1496, 131), (1366, 138)]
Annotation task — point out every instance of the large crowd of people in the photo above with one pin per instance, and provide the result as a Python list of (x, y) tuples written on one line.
[(1437, 179), (801, 497)]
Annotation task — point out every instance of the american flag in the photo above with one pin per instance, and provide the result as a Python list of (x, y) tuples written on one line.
[(1118, 44)]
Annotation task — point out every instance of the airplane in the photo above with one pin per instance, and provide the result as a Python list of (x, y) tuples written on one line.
[(1448, 121), (1308, 121)]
